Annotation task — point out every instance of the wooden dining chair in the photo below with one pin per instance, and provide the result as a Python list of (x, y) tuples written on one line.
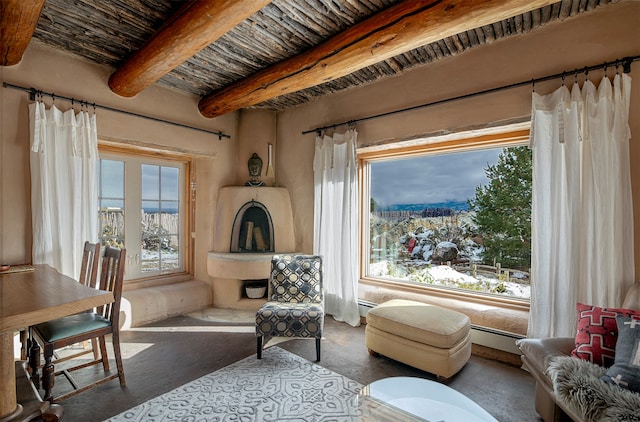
[(76, 328), (88, 276)]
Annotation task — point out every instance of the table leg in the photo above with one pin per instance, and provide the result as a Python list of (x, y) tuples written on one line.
[(48, 378), (15, 386), (8, 403), (33, 408)]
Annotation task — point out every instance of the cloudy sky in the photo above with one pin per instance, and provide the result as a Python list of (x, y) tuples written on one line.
[(156, 181), (431, 179)]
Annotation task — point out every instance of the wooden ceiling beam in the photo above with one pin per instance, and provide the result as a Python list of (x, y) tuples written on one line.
[(398, 29), (196, 25), (18, 21)]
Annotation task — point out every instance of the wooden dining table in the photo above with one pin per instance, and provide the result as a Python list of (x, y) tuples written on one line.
[(28, 298)]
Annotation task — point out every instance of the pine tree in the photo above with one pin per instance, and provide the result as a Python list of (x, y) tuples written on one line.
[(503, 210)]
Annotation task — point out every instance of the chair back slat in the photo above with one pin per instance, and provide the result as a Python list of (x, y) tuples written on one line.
[(90, 264), (296, 279), (111, 279)]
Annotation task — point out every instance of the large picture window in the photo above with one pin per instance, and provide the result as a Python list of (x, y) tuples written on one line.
[(455, 217), (142, 208)]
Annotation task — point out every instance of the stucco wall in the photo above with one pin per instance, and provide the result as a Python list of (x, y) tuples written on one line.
[(62, 74), (257, 129), (606, 34)]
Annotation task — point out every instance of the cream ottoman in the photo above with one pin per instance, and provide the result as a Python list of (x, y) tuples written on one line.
[(427, 337)]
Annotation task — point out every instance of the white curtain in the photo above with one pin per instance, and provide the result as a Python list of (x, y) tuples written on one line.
[(64, 195), (336, 223), (582, 215)]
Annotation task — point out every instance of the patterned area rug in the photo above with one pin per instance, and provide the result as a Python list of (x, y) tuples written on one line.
[(279, 387)]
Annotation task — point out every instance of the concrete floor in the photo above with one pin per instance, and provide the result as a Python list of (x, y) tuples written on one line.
[(164, 355)]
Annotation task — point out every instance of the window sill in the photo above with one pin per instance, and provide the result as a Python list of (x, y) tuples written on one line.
[(503, 314), (156, 281)]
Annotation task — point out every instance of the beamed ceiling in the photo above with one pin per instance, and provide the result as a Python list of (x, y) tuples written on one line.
[(267, 54)]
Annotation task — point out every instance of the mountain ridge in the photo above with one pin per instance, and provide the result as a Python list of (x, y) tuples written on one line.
[(454, 205)]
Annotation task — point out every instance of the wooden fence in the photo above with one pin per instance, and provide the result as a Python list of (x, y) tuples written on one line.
[(503, 274)]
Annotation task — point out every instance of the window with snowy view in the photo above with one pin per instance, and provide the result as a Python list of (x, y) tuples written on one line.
[(142, 210), (455, 220)]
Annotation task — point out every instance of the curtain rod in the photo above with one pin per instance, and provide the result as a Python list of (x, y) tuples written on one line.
[(33, 92), (625, 62)]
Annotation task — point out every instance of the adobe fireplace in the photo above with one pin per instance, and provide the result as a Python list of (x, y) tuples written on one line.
[(251, 224)]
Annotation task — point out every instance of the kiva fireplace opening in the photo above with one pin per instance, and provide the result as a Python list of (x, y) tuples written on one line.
[(252, 230)]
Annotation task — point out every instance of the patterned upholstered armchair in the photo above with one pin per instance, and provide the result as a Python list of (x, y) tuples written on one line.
[(295, 307)]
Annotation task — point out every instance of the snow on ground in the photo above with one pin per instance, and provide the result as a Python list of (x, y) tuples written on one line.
[(170, 260), (444, 272), (446, 276)]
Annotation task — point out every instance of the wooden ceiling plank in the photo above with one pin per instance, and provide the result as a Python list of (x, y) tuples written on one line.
[(400, 28), (321, 9), (191, 29), (295, 14), (296, 30), (18, 21), (311, 12)]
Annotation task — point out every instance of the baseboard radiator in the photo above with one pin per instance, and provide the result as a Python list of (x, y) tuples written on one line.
[(483, 336)]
